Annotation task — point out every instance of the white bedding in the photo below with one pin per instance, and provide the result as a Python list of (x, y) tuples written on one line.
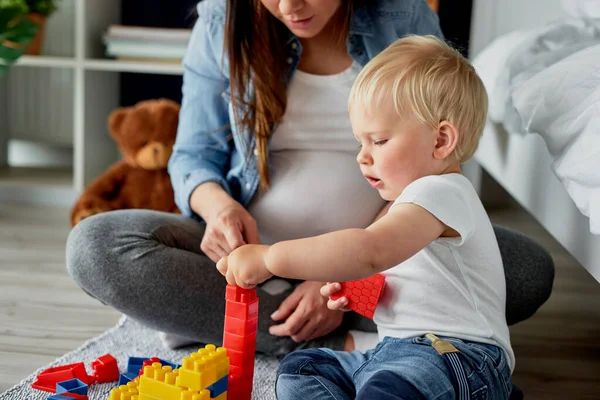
[(546, 80)]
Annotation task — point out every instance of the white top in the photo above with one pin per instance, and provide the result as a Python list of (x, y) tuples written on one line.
[(454, 286), (316, 183)]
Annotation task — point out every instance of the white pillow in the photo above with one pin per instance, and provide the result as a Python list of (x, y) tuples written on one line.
[(561, 103), (491, 66), (582, 8)]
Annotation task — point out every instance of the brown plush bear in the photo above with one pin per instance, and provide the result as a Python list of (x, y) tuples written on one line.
[(145, 134)]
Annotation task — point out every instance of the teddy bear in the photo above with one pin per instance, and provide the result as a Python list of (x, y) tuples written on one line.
[(145, 134)]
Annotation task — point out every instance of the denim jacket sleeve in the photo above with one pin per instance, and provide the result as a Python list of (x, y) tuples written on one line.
[(425, 21), (203, 148)]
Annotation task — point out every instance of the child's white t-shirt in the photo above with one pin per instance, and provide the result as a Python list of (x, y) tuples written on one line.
[(454, 286)]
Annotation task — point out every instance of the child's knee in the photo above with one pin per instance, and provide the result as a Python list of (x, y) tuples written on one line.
[(298, 360)]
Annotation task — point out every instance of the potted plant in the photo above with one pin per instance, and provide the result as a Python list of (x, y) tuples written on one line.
[(16, 31), (21, 28), (39, 10)]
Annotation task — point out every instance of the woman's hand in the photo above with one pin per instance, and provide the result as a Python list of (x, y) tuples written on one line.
[(306, 314), (245, 267), (329, 289), (229, 229)]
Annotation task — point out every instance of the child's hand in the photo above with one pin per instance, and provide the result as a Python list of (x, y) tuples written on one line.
[(245, 266), (339, 304)]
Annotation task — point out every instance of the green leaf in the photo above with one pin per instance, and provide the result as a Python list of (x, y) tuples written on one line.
[(20, 5), (23, 29), (7, 15), (9, 54)]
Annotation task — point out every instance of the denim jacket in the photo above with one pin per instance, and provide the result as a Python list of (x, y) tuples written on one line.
[(209, 147)]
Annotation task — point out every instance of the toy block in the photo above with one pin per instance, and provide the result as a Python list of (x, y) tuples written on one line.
[(135, 365), (204, 367), (243, 359), (236, 293), (126, 377), (74, 386), (240, 303), (233, 341), (105, 369), (239, 389), (217, 388), (125, 392), (59, 397), (222, 396), (47, 379), (160, 383), (240, 327), (362, 294), (75, 396)]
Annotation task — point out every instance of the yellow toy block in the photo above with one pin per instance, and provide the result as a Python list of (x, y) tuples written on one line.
[(159, 383), (125, 392), (185, 395), (203, 368)]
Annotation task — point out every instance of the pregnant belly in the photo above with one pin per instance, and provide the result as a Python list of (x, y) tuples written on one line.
[(313, 192)]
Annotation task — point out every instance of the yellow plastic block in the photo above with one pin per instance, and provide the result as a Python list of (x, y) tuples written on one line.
[(222, 396), (159, 383), (203, 368), (125, 392), (185, 395)]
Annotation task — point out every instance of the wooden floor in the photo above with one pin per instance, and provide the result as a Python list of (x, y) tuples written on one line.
[(43, 314)]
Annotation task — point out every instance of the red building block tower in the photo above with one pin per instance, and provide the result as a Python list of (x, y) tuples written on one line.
[(239, 338)]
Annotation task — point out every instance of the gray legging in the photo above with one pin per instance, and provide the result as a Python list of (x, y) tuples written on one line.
[(149, 266)]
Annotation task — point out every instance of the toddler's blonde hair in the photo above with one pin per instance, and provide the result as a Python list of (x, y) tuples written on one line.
[(425, 77)]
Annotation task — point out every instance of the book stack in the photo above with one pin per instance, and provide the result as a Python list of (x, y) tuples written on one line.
[(139, 43)]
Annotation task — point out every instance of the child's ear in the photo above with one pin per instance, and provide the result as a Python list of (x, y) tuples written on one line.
[(446, 140)]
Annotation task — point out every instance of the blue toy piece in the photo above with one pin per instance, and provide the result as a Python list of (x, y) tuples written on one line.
[(126, 377), (72, 386), (59, 397), (135, 364), (219, 387)]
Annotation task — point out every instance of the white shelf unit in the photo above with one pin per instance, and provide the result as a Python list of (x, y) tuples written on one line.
[(54, 107)]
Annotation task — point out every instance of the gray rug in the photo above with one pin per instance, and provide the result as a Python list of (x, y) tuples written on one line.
[(129, 338)]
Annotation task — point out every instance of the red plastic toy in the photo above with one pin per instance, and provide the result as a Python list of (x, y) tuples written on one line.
[(239, 338), (362, 294), (105, 369), (47, 379)]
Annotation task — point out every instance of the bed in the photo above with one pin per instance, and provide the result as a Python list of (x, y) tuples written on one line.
[(516, 149)]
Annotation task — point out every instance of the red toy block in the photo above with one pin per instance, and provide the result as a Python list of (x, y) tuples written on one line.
[(145, 363), (239, 388), (47, 379), (243, 359), (236, 293), (362, 294), (239, 338), (105, 369), (241, 310), (233, 341), (240, 303), (75, 396), (240, 327)]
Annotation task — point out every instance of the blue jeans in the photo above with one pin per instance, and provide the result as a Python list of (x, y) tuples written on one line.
[(406, 369)]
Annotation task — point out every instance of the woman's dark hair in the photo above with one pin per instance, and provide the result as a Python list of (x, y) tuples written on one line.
[(255, 43)]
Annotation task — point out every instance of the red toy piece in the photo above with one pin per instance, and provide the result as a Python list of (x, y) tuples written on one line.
[(47, 379), (145, 363), (362, 294), (239, 338), (105, 369)]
